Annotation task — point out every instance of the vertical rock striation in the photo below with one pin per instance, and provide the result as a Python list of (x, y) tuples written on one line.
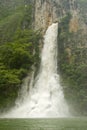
[(49, 11)]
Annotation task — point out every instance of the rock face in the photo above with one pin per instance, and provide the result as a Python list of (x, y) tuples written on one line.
[(72, 45), (45, 13), (48, 11)]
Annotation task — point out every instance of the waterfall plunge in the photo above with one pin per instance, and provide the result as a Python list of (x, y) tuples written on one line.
[(46, 98)]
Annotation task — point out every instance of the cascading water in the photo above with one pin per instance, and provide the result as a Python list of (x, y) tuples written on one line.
[(46, 98)]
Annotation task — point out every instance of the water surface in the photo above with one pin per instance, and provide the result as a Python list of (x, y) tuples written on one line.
[(44, 124)]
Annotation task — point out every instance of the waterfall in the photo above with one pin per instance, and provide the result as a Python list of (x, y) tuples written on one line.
[(45, 98)]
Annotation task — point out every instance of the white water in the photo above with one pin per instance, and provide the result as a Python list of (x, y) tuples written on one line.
[(46, 98)]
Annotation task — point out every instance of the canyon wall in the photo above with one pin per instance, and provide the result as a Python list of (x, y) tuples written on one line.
[(72, 46), (49, 11)]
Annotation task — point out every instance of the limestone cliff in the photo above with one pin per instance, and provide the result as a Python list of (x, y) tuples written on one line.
[(72, 45), (48, 11)]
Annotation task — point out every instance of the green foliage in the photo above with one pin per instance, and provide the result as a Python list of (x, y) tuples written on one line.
[(19, 50), (73, 66), (8, 7), (65, 22), (83, 8), (16, 55), (20, 19)]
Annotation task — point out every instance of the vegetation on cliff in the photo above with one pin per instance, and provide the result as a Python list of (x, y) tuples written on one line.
[(73, 64), (19, 50)]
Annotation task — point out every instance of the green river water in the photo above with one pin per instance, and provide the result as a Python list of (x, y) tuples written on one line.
[(44, 124)]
